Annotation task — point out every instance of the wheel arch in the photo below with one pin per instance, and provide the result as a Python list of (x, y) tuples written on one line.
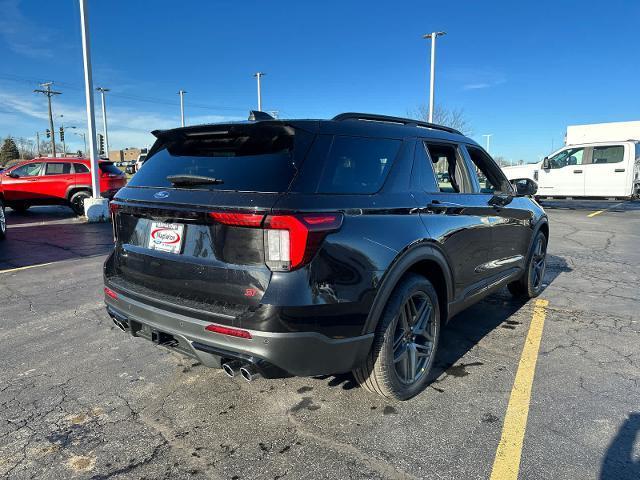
[(77, 188), (424, 259)]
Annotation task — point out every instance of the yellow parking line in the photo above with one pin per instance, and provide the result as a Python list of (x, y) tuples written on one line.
[(598, 212), (507, 462), (25, 268)]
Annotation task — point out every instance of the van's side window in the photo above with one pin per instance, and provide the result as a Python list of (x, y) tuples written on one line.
[(447, 167), (610, 154), (490, 177), (566, 158)]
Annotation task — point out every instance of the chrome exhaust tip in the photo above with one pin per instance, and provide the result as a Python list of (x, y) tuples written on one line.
[(231, 368), (118, 323), (249, 373)]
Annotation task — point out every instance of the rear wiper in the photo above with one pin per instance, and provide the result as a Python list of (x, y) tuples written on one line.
[(193, 180)]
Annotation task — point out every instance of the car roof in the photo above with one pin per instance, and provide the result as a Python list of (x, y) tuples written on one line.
[(355, 124)]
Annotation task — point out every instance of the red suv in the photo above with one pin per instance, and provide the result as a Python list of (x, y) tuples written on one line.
[(56, 181)]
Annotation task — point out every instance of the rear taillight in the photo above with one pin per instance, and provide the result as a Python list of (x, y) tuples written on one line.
[(290, 241), (238, 219)]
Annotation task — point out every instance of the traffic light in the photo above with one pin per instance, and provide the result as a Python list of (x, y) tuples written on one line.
[(48, 133), (62, 134), (100, 144)]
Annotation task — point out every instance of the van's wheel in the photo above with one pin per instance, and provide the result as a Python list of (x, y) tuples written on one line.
[(531, 282), (20, 207), (3, 222), (77, 201), (405, 342)]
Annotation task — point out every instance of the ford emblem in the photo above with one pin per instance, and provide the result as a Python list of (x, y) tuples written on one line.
[(162, 194)]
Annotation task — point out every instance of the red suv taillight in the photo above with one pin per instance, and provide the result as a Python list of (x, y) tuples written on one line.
[(290, 241)]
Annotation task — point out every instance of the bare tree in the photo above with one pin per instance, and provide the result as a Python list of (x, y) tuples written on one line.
[(455, 118), (26, 147)]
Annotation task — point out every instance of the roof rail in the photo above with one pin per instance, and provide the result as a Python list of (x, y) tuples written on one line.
[(372, 117)]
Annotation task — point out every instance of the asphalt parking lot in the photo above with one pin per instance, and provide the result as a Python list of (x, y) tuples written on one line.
[(79, 399)]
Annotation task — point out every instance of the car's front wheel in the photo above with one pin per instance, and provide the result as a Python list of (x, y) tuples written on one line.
[(3, 222), (530, 285), (405, 341), (77, 201)]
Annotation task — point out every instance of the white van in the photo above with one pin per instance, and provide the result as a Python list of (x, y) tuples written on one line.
[(601, 169)]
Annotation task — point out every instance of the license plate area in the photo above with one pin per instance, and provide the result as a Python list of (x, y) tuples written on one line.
[(166, 237)]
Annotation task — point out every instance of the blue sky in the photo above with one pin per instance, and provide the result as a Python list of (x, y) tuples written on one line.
[(521, 71)]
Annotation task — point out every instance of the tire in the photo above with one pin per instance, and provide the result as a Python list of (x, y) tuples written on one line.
[(530, 285), (3, 222), (77, 201), (20, 207), (396, 379)]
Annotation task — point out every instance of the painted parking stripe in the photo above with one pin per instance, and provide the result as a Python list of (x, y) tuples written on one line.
[(507, 461), (598, 212), (10, 270)]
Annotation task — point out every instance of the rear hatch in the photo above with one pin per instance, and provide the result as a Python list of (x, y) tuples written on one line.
[(189, 226)]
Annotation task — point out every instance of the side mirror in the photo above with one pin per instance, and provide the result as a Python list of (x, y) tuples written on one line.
[(13, 175), (546, 164), (525, 187)]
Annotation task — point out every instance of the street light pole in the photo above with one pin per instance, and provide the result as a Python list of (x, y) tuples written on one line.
[(258, 75), (432, 75), (104, 119), (181, 93), (49, 93), (488, 136), (38, 142), (88, 89), (64, 145)]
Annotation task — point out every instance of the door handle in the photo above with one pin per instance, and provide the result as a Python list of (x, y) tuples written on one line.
[(577, 171), (619, 170)]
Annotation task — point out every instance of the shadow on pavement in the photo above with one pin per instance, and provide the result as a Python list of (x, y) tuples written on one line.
[(619, 462), (51, 236), (39, 215)]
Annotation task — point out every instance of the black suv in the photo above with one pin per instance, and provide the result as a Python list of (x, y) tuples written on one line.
[(307, 247)]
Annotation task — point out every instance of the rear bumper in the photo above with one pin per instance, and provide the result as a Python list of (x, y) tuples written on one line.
[(273, 353)]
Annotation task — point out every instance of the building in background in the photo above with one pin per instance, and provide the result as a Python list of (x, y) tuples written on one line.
[(129, 154)]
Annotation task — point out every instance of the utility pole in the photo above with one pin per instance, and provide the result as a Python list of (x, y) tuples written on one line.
[(88, 89), (181, 93), (104, 119), (432, 75), (38, 142), (49, 93), (258, 75), (488, 137)]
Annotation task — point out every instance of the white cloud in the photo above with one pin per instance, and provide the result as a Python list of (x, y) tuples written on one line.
[(128, 126), (21, 34)]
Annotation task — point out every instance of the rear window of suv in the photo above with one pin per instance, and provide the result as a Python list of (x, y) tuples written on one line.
[(107, 167), (253, 158)]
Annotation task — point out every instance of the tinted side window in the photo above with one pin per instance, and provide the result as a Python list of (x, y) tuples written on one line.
[(57, 169), (611, 154), (490, 177), (447, 167), (357, 165), (80, 168), (28, 170)]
